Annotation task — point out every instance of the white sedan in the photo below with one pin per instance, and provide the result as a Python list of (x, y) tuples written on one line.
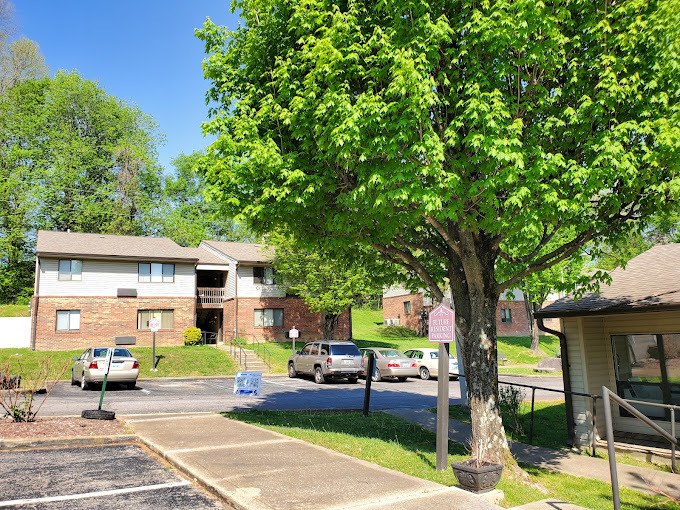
[(428, 362)]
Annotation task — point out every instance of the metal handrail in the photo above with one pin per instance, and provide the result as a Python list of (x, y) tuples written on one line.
[(265, 355), (533, 400), (608, 396), (242, 358)]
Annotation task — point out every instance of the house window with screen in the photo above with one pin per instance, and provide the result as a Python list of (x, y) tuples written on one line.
[(506, 315), (156, 273), (68, 320), (266, 317), (647, 368), (70, 269), (407, 307), (263, 275), (167, 318)]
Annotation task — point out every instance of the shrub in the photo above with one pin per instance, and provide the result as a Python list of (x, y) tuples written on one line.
[(192, 336), (240, 341), (510, 400), (397, 332)]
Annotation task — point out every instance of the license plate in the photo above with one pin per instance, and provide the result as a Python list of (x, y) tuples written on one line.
[(347, 361), (406, 365), (116, 365)]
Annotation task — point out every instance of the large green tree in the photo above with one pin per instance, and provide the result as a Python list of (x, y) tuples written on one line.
[(71, 157), (455, 138)]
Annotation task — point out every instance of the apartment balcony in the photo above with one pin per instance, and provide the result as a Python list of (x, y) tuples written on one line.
[(209, 297)]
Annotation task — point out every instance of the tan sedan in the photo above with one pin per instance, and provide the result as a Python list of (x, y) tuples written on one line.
[(390, 363), (90, 368)]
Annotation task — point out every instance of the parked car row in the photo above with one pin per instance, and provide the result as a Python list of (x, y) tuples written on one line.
[(327, 359)]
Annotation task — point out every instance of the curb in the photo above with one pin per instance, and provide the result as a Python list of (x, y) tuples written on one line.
[(54, 442)]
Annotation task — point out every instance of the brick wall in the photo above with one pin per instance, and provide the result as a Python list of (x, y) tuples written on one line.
[(519, 325), (103, 318), (393, 308), (295, 313)]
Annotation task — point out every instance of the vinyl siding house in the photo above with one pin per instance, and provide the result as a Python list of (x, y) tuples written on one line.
[(615, 338), (92, 288)]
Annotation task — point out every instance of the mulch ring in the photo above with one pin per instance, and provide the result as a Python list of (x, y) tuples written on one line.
[(59, 426)]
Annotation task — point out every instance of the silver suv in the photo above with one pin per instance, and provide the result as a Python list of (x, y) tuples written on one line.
[(326, 359)]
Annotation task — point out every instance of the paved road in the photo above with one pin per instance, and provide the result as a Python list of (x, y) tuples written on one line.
[(102, 477), (214, 395)]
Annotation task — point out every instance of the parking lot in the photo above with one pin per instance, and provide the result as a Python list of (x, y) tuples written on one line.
[(105, 477)]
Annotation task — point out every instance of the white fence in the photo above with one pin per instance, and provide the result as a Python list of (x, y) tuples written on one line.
[(15, 332)]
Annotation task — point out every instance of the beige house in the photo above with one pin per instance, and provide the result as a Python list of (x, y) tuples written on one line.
[(615, 338)]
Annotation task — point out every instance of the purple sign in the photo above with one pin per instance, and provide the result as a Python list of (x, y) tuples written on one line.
[(442, 323)]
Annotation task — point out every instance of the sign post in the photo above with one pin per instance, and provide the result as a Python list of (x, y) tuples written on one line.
[(442, 327), (293, 333), (154, 325), (107, 363)]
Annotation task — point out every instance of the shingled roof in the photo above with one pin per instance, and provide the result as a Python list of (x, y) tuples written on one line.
[(247, 253), (106, 246), (650, 282)]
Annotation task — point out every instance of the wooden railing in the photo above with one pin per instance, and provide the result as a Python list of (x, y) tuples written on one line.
[(209, 297)]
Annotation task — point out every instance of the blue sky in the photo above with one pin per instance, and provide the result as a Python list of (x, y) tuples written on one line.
[(142, 51)]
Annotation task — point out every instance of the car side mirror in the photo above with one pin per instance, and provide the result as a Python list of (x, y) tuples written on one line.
[(297, 352)]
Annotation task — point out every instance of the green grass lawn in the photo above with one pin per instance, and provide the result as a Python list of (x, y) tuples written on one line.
[(397, 444), (14, 311), (174, 361)]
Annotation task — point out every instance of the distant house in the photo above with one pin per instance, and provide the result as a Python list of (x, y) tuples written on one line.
[(92, 288), (403, 307), (627, 338)]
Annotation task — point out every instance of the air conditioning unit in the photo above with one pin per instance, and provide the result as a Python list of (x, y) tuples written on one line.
[(391, 322)]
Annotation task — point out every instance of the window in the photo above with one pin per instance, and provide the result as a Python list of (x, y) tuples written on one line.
[(68, 320), (70, 269), (157, 273), (647, 367), (506, 315), (167, 318), (407, 307), (265, 317), (263, 275)]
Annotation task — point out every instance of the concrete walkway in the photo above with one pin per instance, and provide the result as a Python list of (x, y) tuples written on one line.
[(562, 461), (252, 468)]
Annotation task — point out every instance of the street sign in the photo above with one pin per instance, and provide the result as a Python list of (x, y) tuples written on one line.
[(154, 324), (248, 383), (442, 325), (293, 333)]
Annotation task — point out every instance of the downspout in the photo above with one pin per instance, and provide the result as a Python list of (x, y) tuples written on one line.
[(34, 309), (566, 379)]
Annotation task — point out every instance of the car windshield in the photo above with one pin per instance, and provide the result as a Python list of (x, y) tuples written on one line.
[(391, 353), (121, 353), (345, 350)]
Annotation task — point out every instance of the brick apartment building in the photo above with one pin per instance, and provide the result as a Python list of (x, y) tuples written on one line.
[(401, 307), (92, 288)]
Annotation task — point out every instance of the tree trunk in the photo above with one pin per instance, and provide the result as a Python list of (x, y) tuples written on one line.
[(533, 330), (329, 322)]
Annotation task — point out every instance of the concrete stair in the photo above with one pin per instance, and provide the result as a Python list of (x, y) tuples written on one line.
[(247, 360)]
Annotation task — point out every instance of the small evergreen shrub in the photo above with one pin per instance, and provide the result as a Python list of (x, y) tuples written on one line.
[(397, 332), (192, 336), (510, 401), (240, 342)]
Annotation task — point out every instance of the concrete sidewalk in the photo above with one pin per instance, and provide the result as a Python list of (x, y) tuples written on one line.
[(253, 468), (562, 461)]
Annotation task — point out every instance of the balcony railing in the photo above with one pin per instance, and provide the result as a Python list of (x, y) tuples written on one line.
[(209, 297)]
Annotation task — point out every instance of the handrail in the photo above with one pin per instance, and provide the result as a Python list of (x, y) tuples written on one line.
[(265, 355), (608, 396), (242, 358), (210, 295), (566, 392)]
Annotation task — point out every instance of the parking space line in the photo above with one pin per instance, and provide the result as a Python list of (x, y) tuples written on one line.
[(114, 492)]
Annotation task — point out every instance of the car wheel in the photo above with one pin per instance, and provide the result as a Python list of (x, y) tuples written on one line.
[(98, 414), (402, 379), (291, 371), (83, 383), (376, 376), (318, 376), (131, 385), (73, 379), (353, 380), (424, 373)]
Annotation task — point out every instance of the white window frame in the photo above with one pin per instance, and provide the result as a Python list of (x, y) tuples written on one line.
[(69, 318), (267, 317), (157, 272), (506, 318), (70, 269), (267, 279)]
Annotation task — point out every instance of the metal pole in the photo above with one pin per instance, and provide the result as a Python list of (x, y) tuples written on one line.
[(531, 426), (594, 408), (443, 408), (369, 378), (610, 448), (153, 354), (673, 444)]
